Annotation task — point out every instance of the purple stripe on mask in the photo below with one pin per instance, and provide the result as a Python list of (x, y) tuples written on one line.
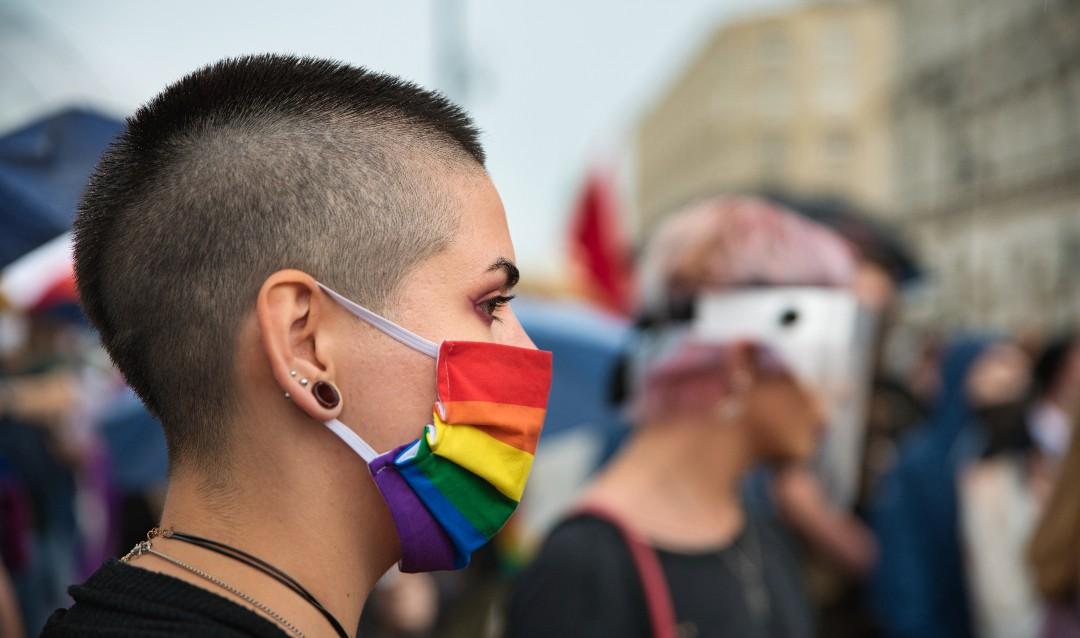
[(424, 545)]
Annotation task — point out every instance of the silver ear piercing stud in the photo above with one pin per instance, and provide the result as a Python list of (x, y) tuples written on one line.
[(288, 396), (292, 373), (303, 381)]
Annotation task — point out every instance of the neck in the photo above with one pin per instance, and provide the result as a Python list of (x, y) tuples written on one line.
[(679, 483), (310, 510)]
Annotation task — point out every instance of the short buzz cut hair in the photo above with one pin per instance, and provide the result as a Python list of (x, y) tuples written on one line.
[(238, 170)]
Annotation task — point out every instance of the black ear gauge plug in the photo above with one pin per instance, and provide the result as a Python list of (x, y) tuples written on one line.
[(326, 394)]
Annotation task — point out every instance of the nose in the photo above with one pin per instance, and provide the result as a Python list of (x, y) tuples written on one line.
[(512, 333)]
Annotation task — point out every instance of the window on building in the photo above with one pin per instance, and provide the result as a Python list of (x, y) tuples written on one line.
[(838, 149), (774, 90), (837, 72), (772, 150), (775, 48)]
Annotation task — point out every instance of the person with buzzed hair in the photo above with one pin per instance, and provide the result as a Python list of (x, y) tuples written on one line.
[(225, 248)]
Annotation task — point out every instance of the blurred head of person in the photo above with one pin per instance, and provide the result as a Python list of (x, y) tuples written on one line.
[(997, 388), (978, 374), (207, 225), (884, 263), (731, 391), (1056, 408)]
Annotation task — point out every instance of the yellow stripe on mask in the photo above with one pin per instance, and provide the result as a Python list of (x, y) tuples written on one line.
[(502, 465)]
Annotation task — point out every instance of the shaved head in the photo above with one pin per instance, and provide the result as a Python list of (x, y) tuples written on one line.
[(241, 169)]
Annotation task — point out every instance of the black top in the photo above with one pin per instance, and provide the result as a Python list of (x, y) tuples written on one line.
[(584, 583), (119, 600)]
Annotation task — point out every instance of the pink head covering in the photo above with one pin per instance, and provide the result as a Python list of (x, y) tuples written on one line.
[(720, 243)]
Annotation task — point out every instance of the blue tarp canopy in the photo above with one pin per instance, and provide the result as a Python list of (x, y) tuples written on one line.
[(586, 344), (44, 167)]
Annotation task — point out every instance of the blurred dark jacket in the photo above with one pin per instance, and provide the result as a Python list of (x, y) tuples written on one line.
[(918, 588)]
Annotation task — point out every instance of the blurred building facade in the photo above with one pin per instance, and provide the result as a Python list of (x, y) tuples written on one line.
[(987, 125), (795, 101)]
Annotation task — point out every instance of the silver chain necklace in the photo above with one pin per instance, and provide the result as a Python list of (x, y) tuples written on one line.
[(145, 548), (749, 570)]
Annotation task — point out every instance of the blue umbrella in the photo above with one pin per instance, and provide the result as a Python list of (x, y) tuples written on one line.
[(44, 167)]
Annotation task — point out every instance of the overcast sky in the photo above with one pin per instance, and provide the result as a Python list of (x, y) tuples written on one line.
[(557, 83)]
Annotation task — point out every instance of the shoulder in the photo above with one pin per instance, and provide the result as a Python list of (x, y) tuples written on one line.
[(121, 600), (587, 535), (583, 546), (581, 583)]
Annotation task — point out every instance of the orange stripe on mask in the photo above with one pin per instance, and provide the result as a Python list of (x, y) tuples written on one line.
[(516, 425)]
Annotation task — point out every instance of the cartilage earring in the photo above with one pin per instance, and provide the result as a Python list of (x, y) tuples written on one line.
[(303, 381), (288, 396), (292, 373)]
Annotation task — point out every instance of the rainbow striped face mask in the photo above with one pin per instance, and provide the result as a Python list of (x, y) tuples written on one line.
[(454, 488)]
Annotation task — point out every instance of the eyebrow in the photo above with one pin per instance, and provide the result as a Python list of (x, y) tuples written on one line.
[(513, 275)]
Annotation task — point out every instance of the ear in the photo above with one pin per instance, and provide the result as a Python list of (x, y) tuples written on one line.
[(296, 332)]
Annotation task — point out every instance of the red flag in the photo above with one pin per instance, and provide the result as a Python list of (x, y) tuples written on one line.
[(40, 279), (598, 247)]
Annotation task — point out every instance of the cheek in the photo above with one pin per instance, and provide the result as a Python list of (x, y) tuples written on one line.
[(805, 420), (388, 393), (783, 422), (767, 426)]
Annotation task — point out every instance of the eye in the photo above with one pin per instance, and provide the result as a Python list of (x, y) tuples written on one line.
[(492, 305)]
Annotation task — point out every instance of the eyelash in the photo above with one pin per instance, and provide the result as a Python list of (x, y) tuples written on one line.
[(491, 306)]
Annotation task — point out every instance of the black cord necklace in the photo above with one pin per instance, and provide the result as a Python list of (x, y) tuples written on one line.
[(254, 562)]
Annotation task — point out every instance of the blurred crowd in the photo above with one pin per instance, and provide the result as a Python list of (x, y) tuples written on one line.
[(81, 464), (935, 502)]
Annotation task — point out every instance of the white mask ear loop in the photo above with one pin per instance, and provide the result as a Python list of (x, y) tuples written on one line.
[(352, 439), (392, 330), (384, 325)]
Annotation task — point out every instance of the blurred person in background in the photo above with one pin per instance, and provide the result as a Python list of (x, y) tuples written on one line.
[(1004, 496), (839, 545), (312, 442), (1000, 493), (660, 543), (885, 268), (42, 456), (1054, 551), (920, 587), (1053, 415)]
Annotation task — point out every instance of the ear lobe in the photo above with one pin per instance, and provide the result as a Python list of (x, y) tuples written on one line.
[(319, 399), (291, 315), (326, 394)]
